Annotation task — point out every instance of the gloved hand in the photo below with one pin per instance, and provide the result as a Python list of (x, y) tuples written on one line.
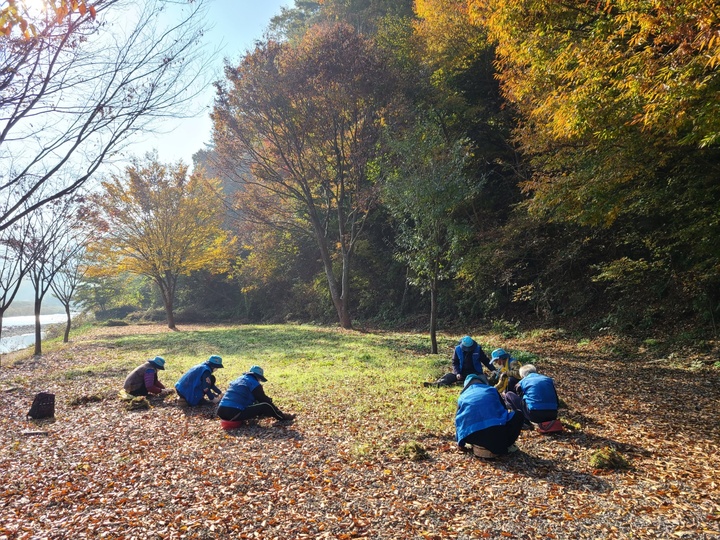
[(216, 399)]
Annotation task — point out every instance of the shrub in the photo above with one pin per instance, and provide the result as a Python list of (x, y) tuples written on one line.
[(608, 458), (114, 322), (414, 451)]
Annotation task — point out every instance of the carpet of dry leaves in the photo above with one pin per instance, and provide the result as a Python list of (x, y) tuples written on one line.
[(101, 471)]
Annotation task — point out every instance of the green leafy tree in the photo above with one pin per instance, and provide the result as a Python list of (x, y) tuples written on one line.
[(423, 192), (619, 106)]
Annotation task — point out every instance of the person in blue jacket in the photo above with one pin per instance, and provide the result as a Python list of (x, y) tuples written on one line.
[(535, 396), (482, 420), (245, 399), (197, 385), (468, 358)]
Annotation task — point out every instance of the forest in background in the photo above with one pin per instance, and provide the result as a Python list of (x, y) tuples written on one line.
[(589, 191), (454, 163)]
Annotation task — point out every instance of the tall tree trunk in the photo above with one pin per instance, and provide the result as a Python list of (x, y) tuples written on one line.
[(167, 290), (339, 296), (345, 320), (2, 314), (66, 337), (433, 317), (170, 316), (38, 334)]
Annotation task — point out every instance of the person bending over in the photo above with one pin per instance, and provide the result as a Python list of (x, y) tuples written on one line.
[(245, 399)]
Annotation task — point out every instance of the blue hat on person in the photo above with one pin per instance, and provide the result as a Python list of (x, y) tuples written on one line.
[(158, 362), (474, 376), (466, 342), (499, 353), (258, 372), (215, 361)]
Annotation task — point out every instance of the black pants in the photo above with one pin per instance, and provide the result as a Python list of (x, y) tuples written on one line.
[(516, 403), (253, 411), (498, 439), (450, 379), (142, 391)]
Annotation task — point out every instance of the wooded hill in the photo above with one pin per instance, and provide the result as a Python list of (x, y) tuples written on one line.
[(470, 161)]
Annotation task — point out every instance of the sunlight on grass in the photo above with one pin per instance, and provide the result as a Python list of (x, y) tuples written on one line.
[(372, 382)]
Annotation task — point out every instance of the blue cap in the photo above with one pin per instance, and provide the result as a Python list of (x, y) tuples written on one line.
[(258, 372), (499, 353), (158, 362), (215, 361), (466, 342), (474, 376)]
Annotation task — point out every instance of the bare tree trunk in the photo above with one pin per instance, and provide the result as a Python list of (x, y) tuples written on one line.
[(167, 290), (339, 296), (2, 313), (170, 315), (38, 333), (433, 317), (66, 337)]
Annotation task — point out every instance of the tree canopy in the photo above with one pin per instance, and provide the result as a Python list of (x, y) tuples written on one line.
[(160, 222), (305, 119)]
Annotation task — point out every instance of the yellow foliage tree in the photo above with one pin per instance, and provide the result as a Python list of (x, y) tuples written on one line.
[(157, 222)]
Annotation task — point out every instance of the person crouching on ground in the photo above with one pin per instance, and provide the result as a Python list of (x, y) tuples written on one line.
[(483, 421), (507, 373), (197, 385), (535, 397), (143, 380), (245, 399), (468, 358)]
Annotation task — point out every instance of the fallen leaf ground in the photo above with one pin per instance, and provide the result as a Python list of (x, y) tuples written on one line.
[(104, 472)]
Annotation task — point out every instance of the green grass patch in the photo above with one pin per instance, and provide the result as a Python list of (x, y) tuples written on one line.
[(369, 381)]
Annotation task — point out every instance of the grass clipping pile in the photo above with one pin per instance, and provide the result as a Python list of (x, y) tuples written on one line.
[(169, 472)]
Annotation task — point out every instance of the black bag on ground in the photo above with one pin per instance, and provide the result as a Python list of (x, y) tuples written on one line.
[(43, 406)]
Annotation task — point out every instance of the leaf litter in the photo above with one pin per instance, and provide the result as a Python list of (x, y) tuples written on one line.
[(170, 472)]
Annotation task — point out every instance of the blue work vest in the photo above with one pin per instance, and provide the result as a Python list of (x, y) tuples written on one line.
[(190, 385), (479, 407), (539, 392), (474, 354), (239, 394)]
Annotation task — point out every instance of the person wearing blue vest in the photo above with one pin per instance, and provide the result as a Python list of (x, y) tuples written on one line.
[(468, 358), (245, 399), (483, 421), (197, 385), (535, 396)]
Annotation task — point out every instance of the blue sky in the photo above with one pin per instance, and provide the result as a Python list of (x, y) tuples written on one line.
[(236, 25)]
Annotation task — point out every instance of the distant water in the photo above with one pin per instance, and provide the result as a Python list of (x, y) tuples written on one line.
[(16, 341)]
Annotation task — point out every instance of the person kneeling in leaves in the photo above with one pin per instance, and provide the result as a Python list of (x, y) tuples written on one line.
[(483, 421), (143, 380), (535, 396), (197, 385), (245, 399), (507, 373), (468, 358)]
